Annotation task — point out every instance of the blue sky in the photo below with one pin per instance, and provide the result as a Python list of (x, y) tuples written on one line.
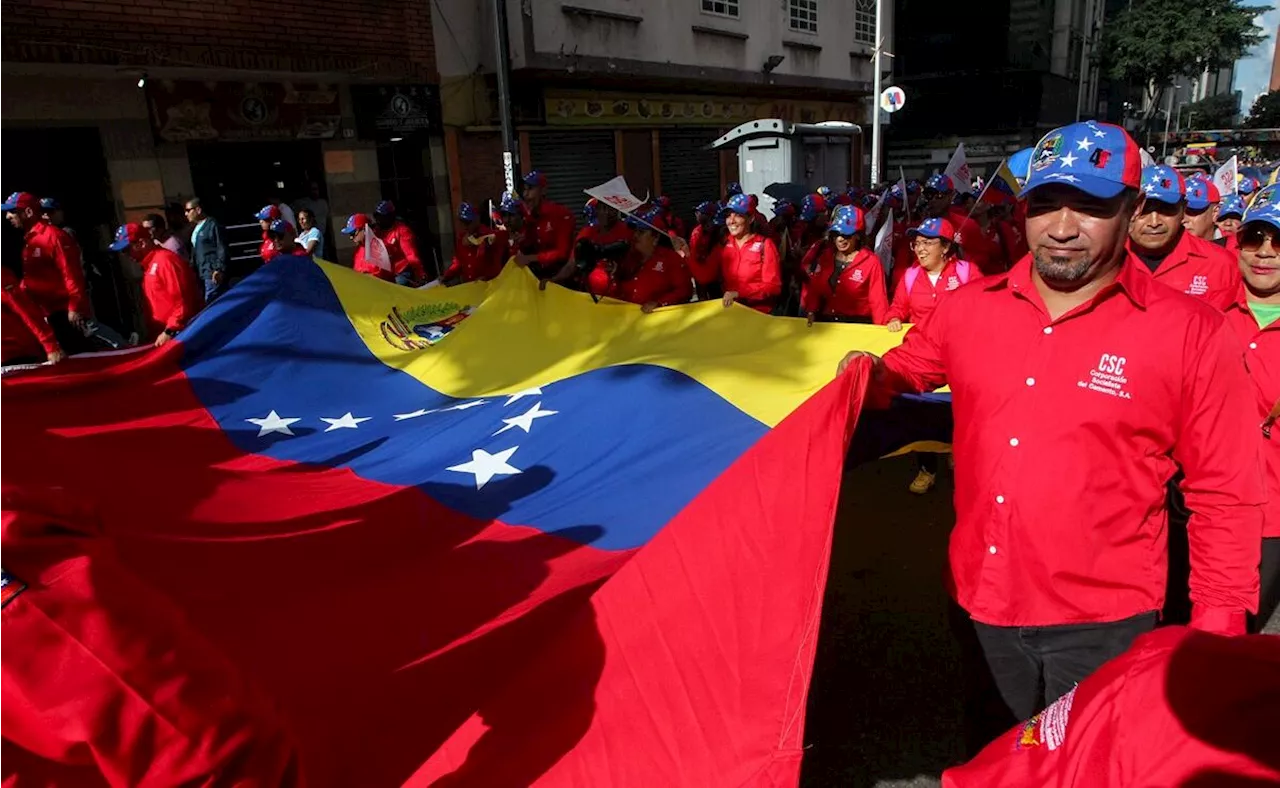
[(1253, 73)]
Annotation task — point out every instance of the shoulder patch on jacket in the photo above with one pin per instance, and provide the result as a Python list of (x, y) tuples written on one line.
[(10, 587)]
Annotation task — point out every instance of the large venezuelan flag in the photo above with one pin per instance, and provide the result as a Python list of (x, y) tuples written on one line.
[(482, 536)]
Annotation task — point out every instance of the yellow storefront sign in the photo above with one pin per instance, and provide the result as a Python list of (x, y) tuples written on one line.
[(592, 108)]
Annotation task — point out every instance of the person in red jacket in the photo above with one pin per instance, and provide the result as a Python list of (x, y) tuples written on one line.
[(591, 264), (105, 682), (939, 194), (745, 264), (360, 230), (1255, 318), (1179, 708), (474, 257), (171, 296), (1202, 206), (653, 274), (402, 247), (1080, 387), (846, 282), (52, 273), (268, 249), (1177, 258), (549, 233), (25, 334)]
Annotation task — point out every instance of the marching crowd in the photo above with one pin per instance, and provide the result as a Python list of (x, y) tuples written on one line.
[(1104, 327)]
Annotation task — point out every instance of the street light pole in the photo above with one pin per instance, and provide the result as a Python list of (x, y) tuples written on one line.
[(510, 153), (875, 95)]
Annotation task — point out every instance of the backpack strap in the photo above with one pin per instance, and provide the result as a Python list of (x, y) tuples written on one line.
[(962, 271), (913, 273)]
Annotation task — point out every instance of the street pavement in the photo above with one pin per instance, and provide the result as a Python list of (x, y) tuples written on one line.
[(885, 703)]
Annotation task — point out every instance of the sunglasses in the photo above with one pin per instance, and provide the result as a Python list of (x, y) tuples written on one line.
[(1252, 237)]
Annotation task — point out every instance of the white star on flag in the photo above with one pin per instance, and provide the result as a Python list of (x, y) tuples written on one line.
[(412, 414), (1058, 176), (519, 394), (484, 466), (273, 423), (347, 422), (1068, 161), (1084, 144), (475, 403), (525, 420)]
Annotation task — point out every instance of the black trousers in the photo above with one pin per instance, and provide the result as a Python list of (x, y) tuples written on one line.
[(1034, 666)]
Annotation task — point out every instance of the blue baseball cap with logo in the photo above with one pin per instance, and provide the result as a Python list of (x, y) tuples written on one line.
[(467, 212), (126, 234), (707, 208), (280, 227), (510, 204), (847, 220), (739, 203), (1099, 159), (940, 182), (1231, 205), (1201, 192), (385, 208), (934, 228), (355, 223), (1267, 212), (1163, 183), (269, 213), (535, 178)]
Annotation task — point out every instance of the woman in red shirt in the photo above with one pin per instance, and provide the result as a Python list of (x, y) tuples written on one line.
[(936, 272), (746, 263), (845, 280), (653, 274)]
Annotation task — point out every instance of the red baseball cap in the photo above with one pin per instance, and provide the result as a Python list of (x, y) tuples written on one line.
[(126, 234), (19, 200)]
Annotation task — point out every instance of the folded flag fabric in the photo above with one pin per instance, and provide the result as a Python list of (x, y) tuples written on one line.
[(482, 535)]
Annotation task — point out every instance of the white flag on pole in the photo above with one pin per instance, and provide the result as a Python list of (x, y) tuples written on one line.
[(873, 215), (884, 247), (1225, 178), (616, 194), (958, 169), (375, 251)]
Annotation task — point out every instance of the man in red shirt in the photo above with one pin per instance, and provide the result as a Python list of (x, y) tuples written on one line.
[(52, 273), (548, 230), (1180, 708), (1255, 318), (1079, 386), (170, 293), (597, 250), (402, 247), (25, 335), (1179, 259), (746, 264), (474, 257), (1202, 206)]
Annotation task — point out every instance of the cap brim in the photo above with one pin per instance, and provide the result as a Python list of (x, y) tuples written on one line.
[(915, 231), (1198, 205), (1104, 188), (119, 246), (1270, 217), (9, 206)]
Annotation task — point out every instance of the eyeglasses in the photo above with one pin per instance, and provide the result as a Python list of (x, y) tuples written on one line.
[(1254, 235), (923, 240)]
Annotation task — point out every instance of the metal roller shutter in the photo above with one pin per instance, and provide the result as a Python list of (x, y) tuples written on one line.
[(689, 173), (572, 161)]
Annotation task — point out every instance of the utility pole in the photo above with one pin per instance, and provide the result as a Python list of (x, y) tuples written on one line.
[(875, 95), (510, 151), (1168, 115)]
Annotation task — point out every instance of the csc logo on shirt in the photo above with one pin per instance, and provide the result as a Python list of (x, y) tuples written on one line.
[(1112, 365)]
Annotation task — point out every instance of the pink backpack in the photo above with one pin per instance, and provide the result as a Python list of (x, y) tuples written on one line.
[(913, 273)]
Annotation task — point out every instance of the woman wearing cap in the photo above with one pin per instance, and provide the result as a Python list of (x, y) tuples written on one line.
[(746, 264), (1255, 317), (846, 281), (653, 274)]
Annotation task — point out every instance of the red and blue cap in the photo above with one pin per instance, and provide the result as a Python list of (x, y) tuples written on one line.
[(740, 203), (733, 188), (707, 208), (510, 204), (1201, 192), (1231, 205), (589, 212), (1019, 163), (126, 234), (1163, 183), (268, 214), (1099, 159), (652, 215), (535, 178), (934, 228), (467, 212), (940, 182), (385, 208), (280, 227), (1247, 185), (355, 223), (847, 220), (20, 200), (1268, 211)]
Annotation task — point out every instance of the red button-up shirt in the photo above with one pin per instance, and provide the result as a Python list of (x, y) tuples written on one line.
[(1261, 350), (402, 250), (1066, 432), (913, 304), (858, 290), (52, 273), (551, 236), (750, 268), (1200, 268)]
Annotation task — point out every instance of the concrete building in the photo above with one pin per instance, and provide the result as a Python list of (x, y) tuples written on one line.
[(640, 87), (133, 107), (995, 75)]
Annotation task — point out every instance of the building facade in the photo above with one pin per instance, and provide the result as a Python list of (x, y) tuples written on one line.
[(641, 87), (121, 109)]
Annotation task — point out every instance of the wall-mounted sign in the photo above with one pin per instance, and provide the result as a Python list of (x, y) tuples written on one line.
[(398, 110), (191, 111), (590, 108)]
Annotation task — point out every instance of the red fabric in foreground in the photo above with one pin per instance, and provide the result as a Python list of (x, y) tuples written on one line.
[(400, 642)]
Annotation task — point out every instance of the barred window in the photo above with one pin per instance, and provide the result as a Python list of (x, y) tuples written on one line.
[(721, 7), (864, 22), (802, 15)]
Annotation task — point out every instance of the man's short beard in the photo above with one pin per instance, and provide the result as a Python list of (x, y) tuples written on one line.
[(1061, 269)]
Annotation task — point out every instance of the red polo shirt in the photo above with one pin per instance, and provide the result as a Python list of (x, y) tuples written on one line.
[(552, 236), (750, 268), (857, 290), (663, 279), (52, 273), (1199, 268), (1066, 432), (1261, 350)]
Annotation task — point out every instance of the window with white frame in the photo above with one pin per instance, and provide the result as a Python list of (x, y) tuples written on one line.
[(864, 21), (802, 15), (721, 7)]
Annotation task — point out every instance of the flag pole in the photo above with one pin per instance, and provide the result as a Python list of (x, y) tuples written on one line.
[(875, 95)]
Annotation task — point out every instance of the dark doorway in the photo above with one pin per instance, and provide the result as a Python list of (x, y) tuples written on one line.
[(404, 175), (235, 179), (68, 165)]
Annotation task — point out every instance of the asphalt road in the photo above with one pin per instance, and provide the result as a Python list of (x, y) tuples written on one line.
[(885, 707)]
